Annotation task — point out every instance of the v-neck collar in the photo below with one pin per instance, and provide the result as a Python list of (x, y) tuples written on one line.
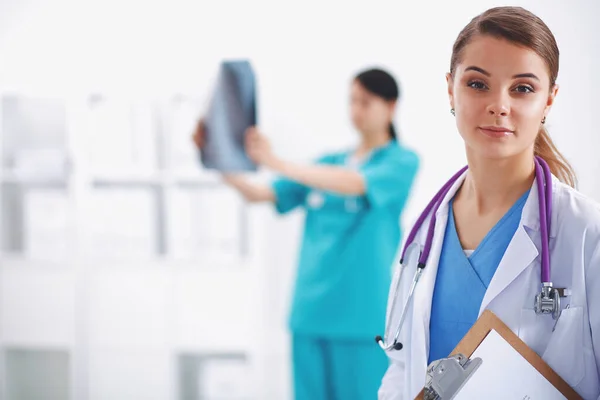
[(473, 257), (455, 242), (506, 217)]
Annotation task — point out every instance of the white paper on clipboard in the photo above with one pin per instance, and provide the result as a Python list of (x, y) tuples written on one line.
[(505, 374)]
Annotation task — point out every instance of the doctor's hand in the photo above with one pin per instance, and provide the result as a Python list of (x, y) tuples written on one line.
[(198, 135), (258, 148)]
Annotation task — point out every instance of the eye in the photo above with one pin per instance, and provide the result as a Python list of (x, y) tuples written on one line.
[(478, 85), (524, 89)]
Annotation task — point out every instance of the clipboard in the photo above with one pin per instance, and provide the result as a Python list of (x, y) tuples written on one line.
[(459, 367)]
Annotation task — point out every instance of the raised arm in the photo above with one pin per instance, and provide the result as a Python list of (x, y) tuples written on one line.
[(252, 192), (322, 177)]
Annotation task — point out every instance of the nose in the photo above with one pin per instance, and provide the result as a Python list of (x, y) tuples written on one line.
[(499, 106)]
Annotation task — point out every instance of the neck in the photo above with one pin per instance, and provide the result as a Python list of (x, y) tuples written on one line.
[(372, 141), (493, 184)]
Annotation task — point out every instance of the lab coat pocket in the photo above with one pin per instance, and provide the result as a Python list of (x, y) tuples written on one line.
[(562, 349), (565, 352), (535, 330)]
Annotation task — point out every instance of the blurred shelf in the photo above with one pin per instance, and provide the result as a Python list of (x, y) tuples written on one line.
[(211, 264), (22, 261), (155, 179), (35, 345), (12, 177), (128, 179), (203, 179), (202, 265)]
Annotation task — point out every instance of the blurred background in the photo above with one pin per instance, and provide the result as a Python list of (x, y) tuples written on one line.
[(129, 272)]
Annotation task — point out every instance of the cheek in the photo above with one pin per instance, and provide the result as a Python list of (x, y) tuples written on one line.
[(365, 116), (527, 116), (531, 110), (462, 97), (469, 116), (469, 107), (356, 112), (378, 115)]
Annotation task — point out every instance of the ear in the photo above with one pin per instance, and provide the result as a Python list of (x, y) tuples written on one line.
[(392, 106), (550, 101), (450, 83)]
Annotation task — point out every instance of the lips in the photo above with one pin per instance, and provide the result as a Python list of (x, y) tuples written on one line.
[(496, 131)]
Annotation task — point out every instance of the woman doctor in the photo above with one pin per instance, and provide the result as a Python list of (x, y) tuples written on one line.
[(488, 237), (353, 201)]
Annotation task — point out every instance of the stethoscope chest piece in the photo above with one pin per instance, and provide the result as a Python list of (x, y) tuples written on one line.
[(548, 302)]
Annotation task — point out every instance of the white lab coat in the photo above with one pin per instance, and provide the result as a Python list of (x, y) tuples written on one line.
[(572, 350)]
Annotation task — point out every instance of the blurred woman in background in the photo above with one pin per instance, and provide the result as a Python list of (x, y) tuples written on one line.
[(353, 201)]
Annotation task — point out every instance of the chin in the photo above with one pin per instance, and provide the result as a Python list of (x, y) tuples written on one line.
[(495, 151), (359, 129)]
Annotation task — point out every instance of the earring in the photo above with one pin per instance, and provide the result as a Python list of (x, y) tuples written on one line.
[(453, 112), (544, 120)]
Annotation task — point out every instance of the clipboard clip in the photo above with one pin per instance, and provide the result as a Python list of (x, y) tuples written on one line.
[(447, 376)]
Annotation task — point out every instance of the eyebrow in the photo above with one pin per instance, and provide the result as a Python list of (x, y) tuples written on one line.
[(484, 72)]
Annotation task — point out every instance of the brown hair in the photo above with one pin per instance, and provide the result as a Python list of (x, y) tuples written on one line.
[(523, 28)]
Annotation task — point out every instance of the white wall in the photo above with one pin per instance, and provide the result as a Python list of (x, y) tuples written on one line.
[(305, 53), (304, 56)]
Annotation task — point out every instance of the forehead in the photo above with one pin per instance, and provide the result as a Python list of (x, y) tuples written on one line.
[(357, 87), (359, 90), (501, 58)]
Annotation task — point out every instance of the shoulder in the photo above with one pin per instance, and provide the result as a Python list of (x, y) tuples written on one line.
[(575, 206), (577, 214), (397, 153), (579, 225)]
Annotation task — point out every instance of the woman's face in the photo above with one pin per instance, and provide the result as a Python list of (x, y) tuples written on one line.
[(369, 113), (500, 93)]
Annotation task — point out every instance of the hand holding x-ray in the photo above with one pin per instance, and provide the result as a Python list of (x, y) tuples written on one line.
[(258, 147)]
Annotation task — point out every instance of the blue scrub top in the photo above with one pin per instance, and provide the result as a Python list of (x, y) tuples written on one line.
[(349, 245), (462, 281)]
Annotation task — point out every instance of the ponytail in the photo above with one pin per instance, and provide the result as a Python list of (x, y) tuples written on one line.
[(559, 166), (392, 132)]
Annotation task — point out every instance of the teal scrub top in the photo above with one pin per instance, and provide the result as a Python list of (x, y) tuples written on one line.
[(349, 245)]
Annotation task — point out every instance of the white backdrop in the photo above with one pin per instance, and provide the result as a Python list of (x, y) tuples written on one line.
[(305, 55)]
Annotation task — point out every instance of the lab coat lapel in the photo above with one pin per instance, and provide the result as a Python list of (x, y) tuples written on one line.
[(519, 254), (419, 336)]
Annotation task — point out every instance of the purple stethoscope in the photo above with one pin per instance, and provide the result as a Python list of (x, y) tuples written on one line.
[(546, 302)]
